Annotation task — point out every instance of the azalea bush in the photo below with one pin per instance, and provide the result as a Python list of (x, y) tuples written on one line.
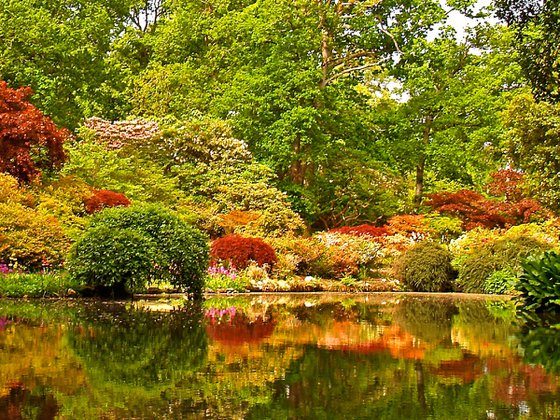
[(30, 240)]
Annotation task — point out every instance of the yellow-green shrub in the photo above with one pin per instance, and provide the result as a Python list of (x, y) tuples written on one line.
[(481, 252), (30, 239), (425, 267)]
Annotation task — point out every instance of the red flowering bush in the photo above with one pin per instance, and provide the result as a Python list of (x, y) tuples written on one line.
[(240, 251), (102, 199), (362, 230)]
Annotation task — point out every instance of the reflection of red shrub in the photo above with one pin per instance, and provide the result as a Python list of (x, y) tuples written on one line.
[(239, 330), (241, 251), (362, 230), (101, 199)]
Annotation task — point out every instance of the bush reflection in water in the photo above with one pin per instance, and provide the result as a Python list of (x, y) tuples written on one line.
[(309, 356)]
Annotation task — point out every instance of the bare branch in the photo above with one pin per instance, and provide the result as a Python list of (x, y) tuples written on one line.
[(350, 70)]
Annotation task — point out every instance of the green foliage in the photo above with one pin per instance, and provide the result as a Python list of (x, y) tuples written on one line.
[(500, 282), (133, 246), (425, 267), (533, 146), (218, 190), (18, 285), (113, 257), (140, 179), (505, 252), (227, 283), (539, 284)]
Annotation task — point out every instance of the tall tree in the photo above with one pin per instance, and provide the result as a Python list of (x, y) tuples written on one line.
[(537, 26), (454, 91), (63, 50), (284, 73)]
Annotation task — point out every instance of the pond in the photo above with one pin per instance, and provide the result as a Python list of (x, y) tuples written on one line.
[(375, 356)]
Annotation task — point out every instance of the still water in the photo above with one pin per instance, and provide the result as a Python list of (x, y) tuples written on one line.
[(385, 356)]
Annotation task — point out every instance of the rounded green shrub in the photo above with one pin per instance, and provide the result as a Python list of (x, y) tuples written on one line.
[(148, 244), (425, 267), (106, 256), (495, 255)]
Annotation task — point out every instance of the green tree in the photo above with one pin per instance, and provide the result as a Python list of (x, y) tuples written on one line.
[(533, 146), (449, 123), (538, 41), (62, 49)]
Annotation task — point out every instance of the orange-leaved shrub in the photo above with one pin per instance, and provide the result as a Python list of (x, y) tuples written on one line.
[(102, 199), (410, 225), (240, 251)]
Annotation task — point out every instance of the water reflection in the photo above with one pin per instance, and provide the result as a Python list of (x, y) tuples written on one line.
[(278, 356)]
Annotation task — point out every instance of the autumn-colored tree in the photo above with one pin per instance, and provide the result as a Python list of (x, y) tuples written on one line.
[(476, 210), (507, 182), (29, 141)]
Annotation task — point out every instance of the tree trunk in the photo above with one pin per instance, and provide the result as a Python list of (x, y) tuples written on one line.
[(297, 168)]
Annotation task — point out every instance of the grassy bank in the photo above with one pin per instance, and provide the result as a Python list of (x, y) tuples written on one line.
[(37, 285)]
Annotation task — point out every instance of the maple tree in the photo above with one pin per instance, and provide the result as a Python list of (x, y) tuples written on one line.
[(476, 210), (29, 140)]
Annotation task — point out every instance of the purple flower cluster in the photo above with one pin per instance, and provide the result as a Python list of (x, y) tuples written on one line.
[(4, 268), (218, 271), (218, 314)]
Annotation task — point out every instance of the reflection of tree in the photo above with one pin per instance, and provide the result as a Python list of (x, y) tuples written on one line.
[(139, 348), (20, 403), (427, 319), (483, 328)]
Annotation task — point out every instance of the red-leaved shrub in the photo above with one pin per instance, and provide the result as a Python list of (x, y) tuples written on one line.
[(240, 251), (362, 230), (101, 199), (476, 210)]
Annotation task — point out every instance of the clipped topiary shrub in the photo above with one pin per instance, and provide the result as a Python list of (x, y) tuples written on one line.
[(487, 258), (425, 267), (539, 284), (240, 251), (130, 247)]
